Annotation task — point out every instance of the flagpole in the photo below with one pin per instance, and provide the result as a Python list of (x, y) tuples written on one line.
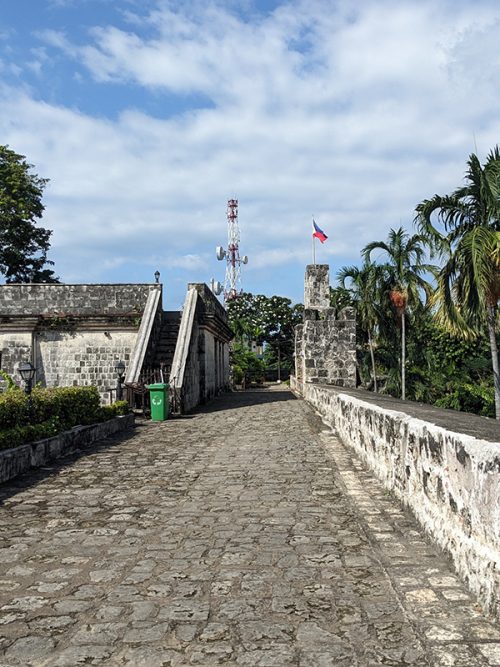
[(314, 247)]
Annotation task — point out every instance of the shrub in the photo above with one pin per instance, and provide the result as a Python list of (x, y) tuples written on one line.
[(10, 384), (21, 435), (117, 409), (50, 411), (237, 374)]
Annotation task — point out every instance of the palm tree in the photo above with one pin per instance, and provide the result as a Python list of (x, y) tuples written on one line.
[(403, 269), (362, 286), (468, 289)]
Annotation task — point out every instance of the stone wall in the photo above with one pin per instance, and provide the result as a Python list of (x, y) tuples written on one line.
[(15, 461), (317, 287), (200, 368), (15, 346), (190, 390), (67, 300), (450, 480), (81, 358)]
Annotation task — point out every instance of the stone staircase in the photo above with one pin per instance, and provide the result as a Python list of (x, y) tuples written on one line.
[(167, 341)]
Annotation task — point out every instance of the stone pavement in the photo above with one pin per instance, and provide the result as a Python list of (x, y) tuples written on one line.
[(245, 535)]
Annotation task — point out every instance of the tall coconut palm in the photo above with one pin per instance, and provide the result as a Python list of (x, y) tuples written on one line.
[(363, 285), (404, 270), (468, 290)]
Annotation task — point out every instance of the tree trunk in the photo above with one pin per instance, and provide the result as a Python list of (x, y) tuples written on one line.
[(370, 343), (403, 356), (494, 358)]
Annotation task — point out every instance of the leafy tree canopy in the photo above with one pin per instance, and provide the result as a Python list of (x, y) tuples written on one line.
[(263, 318), (268, 320), (23, 245)]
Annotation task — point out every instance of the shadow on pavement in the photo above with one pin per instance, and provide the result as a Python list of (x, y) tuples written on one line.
[(246, 398), (227, 401), (36, 475)]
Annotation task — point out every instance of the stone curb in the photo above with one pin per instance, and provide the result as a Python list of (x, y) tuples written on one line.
[(15, 461)]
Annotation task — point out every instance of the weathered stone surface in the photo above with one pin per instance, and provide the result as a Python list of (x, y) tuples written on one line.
[(325, 347), (252, 537), (451, 480)]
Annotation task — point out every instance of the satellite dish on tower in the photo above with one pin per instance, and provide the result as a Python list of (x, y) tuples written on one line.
[(244, 259), (216, 287), (220, 252)]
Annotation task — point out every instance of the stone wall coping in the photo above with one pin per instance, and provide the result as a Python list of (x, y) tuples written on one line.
[(184, 338), (143, 336), (15, 461), (463, 423)]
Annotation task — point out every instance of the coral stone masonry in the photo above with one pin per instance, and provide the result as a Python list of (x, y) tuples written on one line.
[(73, 334), (325, 346), (76, 334)]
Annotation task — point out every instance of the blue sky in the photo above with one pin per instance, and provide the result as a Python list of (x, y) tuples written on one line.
[(147, 115)]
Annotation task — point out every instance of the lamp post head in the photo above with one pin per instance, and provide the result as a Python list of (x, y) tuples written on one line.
[(27, 372), (120, 368)]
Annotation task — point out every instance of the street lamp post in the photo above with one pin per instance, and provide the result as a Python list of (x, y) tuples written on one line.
[(120, 372), (27, 372)]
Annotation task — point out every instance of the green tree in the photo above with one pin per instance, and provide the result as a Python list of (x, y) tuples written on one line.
[(264, 319), (364, 284), (23, 245), (340, 298), (468, 285), (448, 371), (404, 271)]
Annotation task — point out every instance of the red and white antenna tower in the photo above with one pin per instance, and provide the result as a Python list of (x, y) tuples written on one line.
[(232, 281)]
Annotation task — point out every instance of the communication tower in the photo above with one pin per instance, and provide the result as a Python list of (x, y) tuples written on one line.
[(232, 281)]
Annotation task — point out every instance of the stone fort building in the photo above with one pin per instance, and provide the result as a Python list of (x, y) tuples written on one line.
[(75, 335)]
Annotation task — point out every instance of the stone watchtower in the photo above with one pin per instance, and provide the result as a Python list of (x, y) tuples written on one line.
[(325, 347)]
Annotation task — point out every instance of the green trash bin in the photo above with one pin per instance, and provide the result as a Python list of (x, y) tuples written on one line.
[(158, 399)]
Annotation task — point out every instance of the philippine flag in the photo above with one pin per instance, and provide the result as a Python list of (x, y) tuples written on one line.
[(319, 233)]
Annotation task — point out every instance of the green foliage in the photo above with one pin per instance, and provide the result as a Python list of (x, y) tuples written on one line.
[(50, 411), (468, 285), (10, 384), (269, 320), (21, 435), (468, 397), (238, 374), (448, 371), (246, 361), (340, 298), (23, 245), (117, 409)]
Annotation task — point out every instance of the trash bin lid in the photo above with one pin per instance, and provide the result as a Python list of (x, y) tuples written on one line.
[(158, 385)]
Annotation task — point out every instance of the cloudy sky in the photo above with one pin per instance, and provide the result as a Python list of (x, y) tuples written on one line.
[(147, 115)]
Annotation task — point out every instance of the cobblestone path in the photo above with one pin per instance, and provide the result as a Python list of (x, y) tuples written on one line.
[(244, 535)]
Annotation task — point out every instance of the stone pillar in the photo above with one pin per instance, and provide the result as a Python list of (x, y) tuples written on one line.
[(317, 287), (325, 347)]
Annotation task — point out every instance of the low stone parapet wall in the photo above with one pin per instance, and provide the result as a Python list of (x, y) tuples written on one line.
[(14, 462), (449, 479)]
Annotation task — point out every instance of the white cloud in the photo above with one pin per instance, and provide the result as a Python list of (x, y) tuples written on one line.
[(351, 114)]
